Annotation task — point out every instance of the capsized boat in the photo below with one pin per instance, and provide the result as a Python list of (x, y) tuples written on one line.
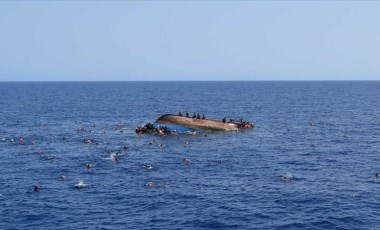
[(171, 122)]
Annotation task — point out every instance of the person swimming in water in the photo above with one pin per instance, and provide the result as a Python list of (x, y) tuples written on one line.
[(377, 175), (148, 166), (186, 160), (62, 177), (50, 157), (286, 177), (115, 159), (36, 188), (87, 141), (149, 184), (164, 185)]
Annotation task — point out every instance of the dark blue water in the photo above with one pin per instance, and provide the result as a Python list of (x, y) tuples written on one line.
[(325, 134)]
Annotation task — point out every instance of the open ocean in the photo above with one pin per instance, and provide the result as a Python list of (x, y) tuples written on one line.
[(325, 134)]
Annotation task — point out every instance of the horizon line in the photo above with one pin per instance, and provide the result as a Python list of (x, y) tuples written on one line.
[(63, 81)]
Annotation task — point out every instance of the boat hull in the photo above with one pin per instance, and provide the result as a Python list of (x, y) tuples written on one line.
[(181, 123)]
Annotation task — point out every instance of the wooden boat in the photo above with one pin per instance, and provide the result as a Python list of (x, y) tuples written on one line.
[(183, 123)]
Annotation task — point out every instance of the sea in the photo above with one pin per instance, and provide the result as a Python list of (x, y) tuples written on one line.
[(310, 162)]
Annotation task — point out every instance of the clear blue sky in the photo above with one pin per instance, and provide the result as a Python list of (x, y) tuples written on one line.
[(189, 40)]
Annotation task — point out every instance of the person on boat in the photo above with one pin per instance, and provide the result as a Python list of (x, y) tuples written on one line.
[(231, 120), (224, 119), (180, 114), (198, 116), (203, 117), (187, 114), (194, 115)]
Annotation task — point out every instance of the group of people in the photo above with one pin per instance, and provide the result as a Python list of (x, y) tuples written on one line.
[(195, 115), (149, 128), (224, 120), (246, 125), (242, 124)]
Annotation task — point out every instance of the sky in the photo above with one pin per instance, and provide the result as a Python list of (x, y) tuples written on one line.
[(189, 40)]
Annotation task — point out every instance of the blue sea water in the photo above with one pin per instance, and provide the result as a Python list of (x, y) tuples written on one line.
[(325, 134)]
